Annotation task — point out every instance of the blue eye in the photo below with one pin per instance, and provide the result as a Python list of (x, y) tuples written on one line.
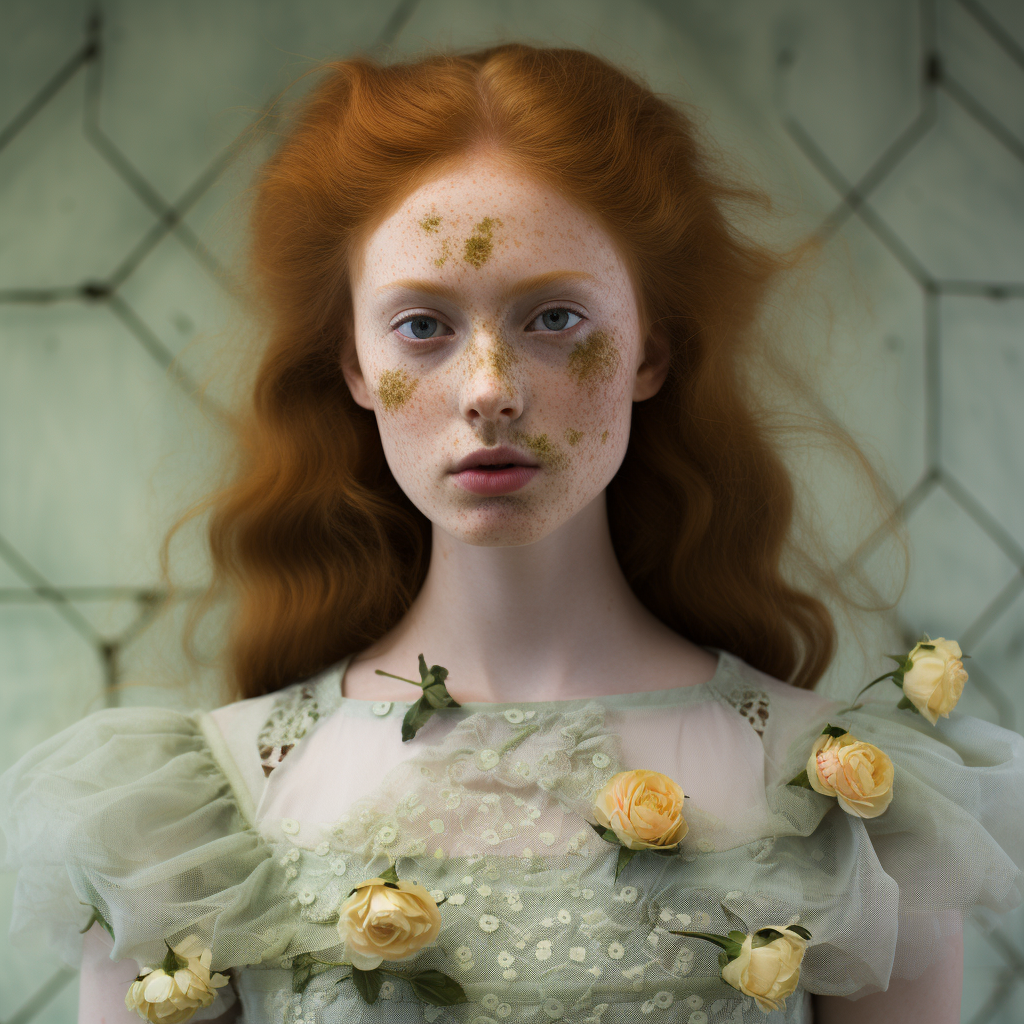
[(556, 319), (422, 328)]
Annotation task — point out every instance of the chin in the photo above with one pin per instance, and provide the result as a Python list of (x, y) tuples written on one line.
[(513, 523)]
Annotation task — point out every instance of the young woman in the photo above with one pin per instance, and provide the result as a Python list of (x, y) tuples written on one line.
[(502, 422)]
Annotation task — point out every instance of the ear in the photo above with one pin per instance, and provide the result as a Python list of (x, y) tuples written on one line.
[(651, 373), (354, 375)]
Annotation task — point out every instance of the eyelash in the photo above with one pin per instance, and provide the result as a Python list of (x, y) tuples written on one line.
[(424, 316)]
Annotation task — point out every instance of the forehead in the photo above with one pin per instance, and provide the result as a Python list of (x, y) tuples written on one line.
[(482, 221)]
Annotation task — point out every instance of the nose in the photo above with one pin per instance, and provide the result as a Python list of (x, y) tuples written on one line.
[(489, 393)]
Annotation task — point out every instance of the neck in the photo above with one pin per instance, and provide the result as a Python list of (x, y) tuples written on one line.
[(551, 620)]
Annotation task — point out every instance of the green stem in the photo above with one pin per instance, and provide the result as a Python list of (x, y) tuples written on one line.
[(381, 672), (513, 742)]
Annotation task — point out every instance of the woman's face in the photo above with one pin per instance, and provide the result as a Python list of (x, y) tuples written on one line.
[(492, 317)]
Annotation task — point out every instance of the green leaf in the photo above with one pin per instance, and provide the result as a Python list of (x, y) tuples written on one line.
[(605, 833), (739, 937), (927, 647), (907, 705), (368, 983), (96, 918), (437, 989), (415, 718), (625, 856), (800, 930), (801, 780), (833, 730), (723, 959), (172, 961), (390, 875), (300, 978)]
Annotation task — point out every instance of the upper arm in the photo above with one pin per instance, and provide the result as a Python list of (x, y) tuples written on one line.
[(933, 998)]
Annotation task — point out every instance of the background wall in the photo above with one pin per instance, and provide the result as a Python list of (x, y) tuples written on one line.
[(893, 128)]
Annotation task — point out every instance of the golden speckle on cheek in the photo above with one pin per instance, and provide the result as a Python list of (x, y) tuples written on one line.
[(446, 251), (394, 388), (604, 437), (431, 223), (594, 360), (480, 244), (573, 436), (490, 433), (550, 454)]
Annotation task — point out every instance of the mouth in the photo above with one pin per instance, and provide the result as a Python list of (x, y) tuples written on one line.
[(494, 460)]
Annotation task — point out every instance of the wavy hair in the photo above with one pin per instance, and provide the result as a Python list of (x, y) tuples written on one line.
[(319, 549)]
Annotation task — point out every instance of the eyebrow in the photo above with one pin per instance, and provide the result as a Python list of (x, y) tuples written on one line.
[(526, 286)]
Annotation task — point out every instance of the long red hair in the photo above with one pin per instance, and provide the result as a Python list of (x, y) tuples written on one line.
[(319, 549)]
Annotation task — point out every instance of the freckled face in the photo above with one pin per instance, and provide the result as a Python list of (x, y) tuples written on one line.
[(490, 311)]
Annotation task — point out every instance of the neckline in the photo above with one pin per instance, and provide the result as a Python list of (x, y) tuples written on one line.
[(642, 698)]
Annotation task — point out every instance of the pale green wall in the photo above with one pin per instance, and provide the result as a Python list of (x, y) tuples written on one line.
[(914, 324)]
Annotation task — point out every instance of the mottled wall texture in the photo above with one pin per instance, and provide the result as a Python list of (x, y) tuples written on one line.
[(891, 129)]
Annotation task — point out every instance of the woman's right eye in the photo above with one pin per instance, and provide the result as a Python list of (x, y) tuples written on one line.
[(422, 328)]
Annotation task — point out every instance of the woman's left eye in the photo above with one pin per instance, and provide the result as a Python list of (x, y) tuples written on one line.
[(557, 319), (421, 328)]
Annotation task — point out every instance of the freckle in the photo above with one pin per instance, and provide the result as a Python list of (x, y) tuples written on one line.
[(572, 436), (480, 244), (604, 437), (446, 251), (548, 453), (431, 223), (594, 360), (394, 388)]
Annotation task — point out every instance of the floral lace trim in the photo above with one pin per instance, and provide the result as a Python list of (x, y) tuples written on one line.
[(753, 705), (292, 716)]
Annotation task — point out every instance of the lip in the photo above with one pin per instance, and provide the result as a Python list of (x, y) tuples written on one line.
[(494, 456)]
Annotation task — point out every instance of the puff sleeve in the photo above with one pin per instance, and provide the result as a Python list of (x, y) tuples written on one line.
[(951, 839), (130, 812)]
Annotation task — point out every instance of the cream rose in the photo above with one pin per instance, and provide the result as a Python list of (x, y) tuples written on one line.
[(378, 922), (644, 809), (170, 997), (767, 973), (859, 774), (936, 678)]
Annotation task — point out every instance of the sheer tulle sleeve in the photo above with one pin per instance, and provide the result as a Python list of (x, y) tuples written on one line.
[(130, 812), (952, 838)]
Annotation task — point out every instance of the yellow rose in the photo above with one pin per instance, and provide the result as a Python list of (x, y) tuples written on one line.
[(379, 922), (767, 973), (936, 679), (644, 809), (170, 998), (859, 774)]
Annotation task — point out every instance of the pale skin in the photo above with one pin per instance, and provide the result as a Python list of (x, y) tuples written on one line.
[(524, 598)]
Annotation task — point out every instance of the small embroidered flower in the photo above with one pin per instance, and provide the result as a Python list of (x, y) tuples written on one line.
[(702, 921), (381, 707), (436, 826), (533, 812), (530, 714), (527, 853), (339, 867), (516, 907), (564, 916), (490, 836), (616, 951), (694, 1001), (543, 950), (547, 838), (578, 953), (684, 920), (553, 1008), (290, 857), (627, 894), (306, 896), (290, 826), (547, 922), (467, 879), (510, 974), (648, 1006), (698, 1017), (387, 989), (523, 769), (595, 971), (386, 836), (464, 954), (490, 1001), (601, 760), (322, 849), (503, 1009), (511, 897), (514, 716), (487, 759), (505, 958), (452, 800), (488, 923), (484, 890), (705, 845), (663, 1000), (587, 894), (291, 873), (431, 1013), (416, 848), (437, 895), (521, 944), (457, 899)]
